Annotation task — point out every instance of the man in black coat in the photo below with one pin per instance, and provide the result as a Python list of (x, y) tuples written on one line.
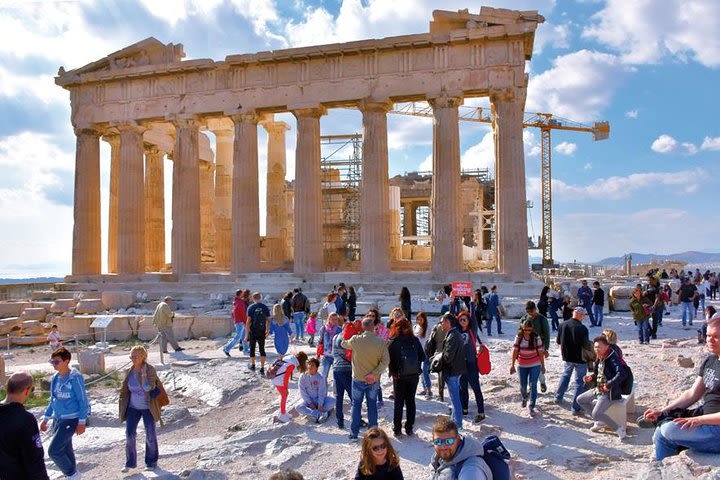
[(572, 336), (21, 450), (434, 345), (453, 361)]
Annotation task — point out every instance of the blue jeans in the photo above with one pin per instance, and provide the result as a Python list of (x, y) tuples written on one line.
[(151, 444), (643, 328), (299, 321), (360, 391), (489, 324), (597, 311), (668, 439), (237, 338), (327, 362), (702, 304), (303, 409), (688, 310), (453, 384), (61, 448), (343, 384), (426, 374), (554, 318), (580, 370), (530, 374)]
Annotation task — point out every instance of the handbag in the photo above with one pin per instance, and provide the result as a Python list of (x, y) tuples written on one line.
[(436, 364), (483, 360), (159, 394), (588, 353)]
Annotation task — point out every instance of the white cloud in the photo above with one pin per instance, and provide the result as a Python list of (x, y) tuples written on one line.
[(579, 86), (587, 166), (632, 114), (644, 31), (711, 144), (666, 144), (557, 36), (532, 146), (566, 148), (614, 188)]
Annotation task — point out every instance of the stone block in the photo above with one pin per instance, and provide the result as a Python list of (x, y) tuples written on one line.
[(685, 362), (211, 326), (406, 251), (421, 253), (118, 300), (121, 328), (621, 291), (62, 305), (8, 324), (42, 295), (91, 362), (90, 305), (181, 327), (12, 309), (620, 304), (42, 304), (77, 325), (34, 313), (32, 327)]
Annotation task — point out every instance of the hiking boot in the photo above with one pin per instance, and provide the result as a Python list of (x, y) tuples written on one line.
[(643, 422), (543, 387)]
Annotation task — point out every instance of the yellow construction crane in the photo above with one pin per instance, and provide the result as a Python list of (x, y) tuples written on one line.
[(545, 122)]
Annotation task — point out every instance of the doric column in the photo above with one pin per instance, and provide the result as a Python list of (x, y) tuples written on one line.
[(114, 141), (223, 197), (154, 210), (510, 196), (276, 223), (446, 228), (86, 209), (308, 192), (410, 219), (245, 205), (131, 201), (207, 215), (374, 195), (186, 198)]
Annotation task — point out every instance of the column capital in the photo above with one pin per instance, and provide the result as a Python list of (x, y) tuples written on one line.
[(186, 121), (88, 130), (223, 134), (151, 149), (129, 127), (275, 128), (112, 138), (508, 95), (374, 105), (444, 100), (245, 117), (316, 111)]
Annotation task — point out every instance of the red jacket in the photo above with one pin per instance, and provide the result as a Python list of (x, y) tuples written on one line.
[(239, 310)]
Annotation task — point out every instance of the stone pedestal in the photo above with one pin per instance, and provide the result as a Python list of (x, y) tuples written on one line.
[(308, 192), (446, 228), (131, 201), (223, 197), (186, 198), (86, 212), (91, 362), (154, 210)]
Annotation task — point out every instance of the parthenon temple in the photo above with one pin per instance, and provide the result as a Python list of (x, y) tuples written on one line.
[(149, 104)]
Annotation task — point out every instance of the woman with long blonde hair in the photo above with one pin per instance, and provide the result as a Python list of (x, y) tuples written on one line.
[(379, 460)]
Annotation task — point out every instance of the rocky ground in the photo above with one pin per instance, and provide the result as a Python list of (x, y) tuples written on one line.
[(220, 423)]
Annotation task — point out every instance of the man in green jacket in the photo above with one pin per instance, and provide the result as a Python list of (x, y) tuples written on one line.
[(541, 327)]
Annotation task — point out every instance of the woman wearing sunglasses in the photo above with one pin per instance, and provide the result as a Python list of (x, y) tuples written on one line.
[(529, 354), (69, 407), (379, 459)]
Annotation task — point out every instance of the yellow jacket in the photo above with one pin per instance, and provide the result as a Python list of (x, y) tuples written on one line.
[(370, 355)]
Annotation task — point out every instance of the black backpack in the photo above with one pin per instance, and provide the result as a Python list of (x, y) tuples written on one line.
[(409, 360), (257, 322), (627, 384)]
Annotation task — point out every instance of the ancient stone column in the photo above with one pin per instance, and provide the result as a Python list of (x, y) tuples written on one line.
[(374, 194), (245, 205), (446, 227), (410, 220), (154, 210), (510, 201), (276, 222), (207, 215), (308, 192), (86, 209), (223, 197), (114, 141), (131, 201), (186, 198)]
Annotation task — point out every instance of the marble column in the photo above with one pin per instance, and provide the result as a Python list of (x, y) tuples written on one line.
[(154, 210), (86, 208), (410, 220), (308, 192), (186, 198), (223, 197), (114, 141), (276, 220), (510, 196), (131, 201), (374, 194), (207, 215), (446, 228), (246, 196)]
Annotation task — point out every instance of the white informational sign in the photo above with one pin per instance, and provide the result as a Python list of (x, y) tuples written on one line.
[(102, 321)]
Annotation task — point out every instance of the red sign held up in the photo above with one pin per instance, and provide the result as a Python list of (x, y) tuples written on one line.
[(462, 289)]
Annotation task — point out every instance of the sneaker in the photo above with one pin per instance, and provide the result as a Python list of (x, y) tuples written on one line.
[(125, 470), (621, 433), (323, 417), (578, 413), (643, 422), (284, 418), (75, 476), (479, 417), (596, 427), (524, 402), (227, 354), (409, 432), (251, 367), (262, 371), (543, 388), (429, 394), (531, 411), (150, 468), (341, 425), (559, 401), (179, 349), (363, 423), (352, 438), (397, 433)]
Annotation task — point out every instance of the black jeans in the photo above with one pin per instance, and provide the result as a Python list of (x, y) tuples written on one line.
[(472, 379), (405, 388), (657, 315), (260, 343)]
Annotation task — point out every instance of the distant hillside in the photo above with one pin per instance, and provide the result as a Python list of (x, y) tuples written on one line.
[(689, 257), (5, 281)]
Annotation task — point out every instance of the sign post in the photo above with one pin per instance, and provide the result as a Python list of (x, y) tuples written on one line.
[(102, 322)]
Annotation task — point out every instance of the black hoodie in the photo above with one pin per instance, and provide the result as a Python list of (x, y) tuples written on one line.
[(21, 450)]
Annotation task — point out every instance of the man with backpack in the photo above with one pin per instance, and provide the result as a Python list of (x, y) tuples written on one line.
[(406, 357), (608, 375), (257, 330)]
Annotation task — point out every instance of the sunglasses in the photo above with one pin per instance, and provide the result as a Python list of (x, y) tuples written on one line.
[(379, 448), (439, 442), (32, 388), (55, 362)]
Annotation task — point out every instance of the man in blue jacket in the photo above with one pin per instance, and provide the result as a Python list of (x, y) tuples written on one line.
[(608, 374)]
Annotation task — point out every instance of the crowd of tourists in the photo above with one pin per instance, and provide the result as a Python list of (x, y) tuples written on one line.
[(359, 350)]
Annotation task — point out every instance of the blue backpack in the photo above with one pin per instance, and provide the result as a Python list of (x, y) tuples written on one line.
[(496, 456)]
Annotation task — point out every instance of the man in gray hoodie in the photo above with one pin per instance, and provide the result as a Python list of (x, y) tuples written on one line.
[(457, 457)]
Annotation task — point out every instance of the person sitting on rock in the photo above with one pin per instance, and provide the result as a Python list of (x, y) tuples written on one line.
[(315, 403), (678, 427), (280, 374)]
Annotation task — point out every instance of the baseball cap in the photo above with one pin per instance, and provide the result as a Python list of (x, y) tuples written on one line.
[(580, 310)]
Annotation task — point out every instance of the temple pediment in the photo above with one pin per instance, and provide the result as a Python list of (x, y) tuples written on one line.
[(145, 52)]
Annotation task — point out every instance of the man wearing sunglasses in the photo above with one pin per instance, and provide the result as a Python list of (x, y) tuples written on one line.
[(21, 450), (457, 457)]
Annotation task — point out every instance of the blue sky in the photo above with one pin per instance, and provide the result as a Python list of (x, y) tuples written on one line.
[(649, 67)]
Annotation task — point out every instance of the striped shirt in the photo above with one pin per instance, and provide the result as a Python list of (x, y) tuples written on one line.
[(526, 355)]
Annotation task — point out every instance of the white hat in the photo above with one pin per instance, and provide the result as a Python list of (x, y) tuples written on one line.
[(580, 310)]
